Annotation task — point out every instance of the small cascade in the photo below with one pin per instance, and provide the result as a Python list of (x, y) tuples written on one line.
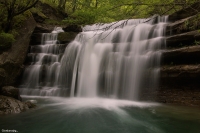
[(42, 73), (115, 60)]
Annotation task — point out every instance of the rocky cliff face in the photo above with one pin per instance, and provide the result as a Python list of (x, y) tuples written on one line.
[(11, 66), (180, 63)]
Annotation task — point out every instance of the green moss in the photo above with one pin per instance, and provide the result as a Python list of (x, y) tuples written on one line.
[(53, 22), (66, 36), (6, 40), (18, 20), (38, 12)]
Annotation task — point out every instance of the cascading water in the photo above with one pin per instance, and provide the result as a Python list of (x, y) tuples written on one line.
[(114, 60)]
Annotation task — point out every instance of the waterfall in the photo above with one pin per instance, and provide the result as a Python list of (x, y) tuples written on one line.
[(114, 60)]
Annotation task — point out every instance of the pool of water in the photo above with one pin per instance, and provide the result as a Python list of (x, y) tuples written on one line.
[(97, 115)]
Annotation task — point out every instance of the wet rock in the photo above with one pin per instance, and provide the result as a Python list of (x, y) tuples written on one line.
[(180, 75), (31, 103), (185, 55), (184, 25), (66, 37), (11, 91), (184, 39), (43, 28), (72, 28), (10, 105), (174, 95)]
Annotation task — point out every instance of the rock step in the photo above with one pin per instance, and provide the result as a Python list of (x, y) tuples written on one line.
[(63, 37), (54, 48), (180, 75), (186, 55), (184, 25), (175, 95), (39, 58), (185, 39)]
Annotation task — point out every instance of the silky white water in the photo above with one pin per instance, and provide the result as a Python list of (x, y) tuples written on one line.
[(115, 60)]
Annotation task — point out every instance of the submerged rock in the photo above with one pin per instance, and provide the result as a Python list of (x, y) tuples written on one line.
[(31, 103)]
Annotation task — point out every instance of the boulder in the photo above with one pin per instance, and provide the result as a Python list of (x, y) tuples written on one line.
[(38, 15), (50, 12), (66, 37), (72, 28), (11, 91), (10, 105), (30, 104), (43, 28)]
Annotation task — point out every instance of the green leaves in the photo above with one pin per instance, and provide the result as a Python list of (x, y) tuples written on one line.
[(6, 40)]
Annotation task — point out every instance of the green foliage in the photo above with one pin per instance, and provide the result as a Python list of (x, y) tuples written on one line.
[(96, 11), (52, 22), (6, 40), (197, 42), (12, 9), (93, 11), (81, 17), (18, 20)]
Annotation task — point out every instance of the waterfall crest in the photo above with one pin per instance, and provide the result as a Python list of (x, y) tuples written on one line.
[(115, 60)]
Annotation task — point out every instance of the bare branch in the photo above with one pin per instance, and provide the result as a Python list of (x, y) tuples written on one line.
[(26, 8)]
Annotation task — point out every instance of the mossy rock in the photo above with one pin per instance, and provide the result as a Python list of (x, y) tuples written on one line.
[(66, 37), (38, 15), (6, 40)]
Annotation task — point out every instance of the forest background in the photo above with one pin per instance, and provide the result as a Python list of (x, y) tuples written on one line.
[(82, 12)]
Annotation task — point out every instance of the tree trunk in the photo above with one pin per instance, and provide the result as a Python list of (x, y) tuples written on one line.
[(96, 4), (8, 26), (74, 5), (63, 4)]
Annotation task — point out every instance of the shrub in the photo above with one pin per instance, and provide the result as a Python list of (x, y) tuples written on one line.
[(6, 40)]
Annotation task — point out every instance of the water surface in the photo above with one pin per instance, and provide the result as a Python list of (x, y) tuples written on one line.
[(98, 115)]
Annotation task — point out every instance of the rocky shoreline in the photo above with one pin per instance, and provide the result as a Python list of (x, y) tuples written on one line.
[(11, 101)]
